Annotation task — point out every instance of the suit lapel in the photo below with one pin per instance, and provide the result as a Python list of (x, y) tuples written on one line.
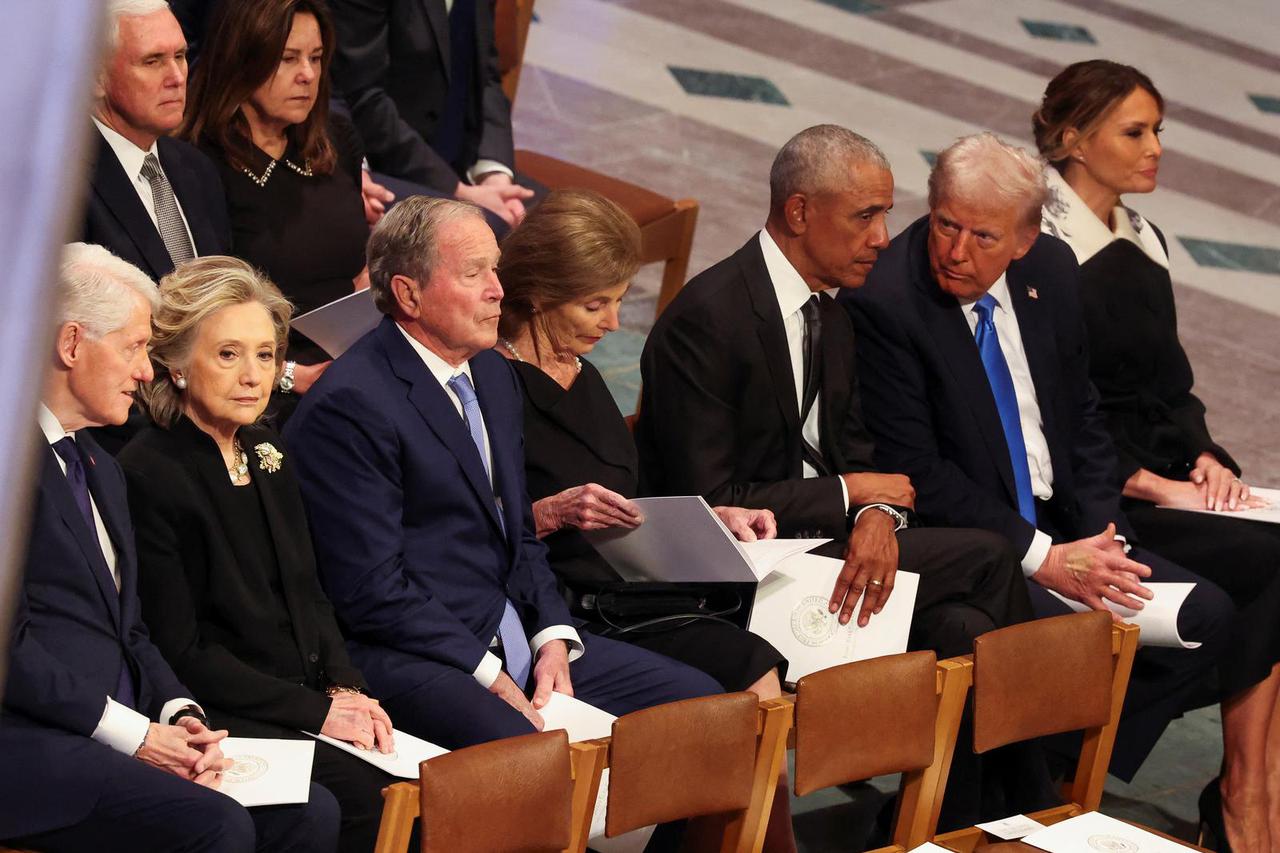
[(488, 373), (58, 491), (944, 318), (185, 186), (438, 17), (1040, 345), (769, 328), (116, 190), (837, 379), (437, 409)]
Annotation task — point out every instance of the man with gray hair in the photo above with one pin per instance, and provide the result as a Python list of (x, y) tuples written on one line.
[(154, 201), (750, 399), (102, 748), (409, 451), (973, 363)]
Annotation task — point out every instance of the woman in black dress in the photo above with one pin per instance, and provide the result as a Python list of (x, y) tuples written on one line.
[(1099, 128), (226, 573), (564, 272), (259, 107)]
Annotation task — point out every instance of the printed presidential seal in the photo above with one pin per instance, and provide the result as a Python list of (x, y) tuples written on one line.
[(246, 768), (811, 623), (1112, 844), (269, 458)]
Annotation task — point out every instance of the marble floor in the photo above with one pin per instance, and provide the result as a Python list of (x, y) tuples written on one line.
[(692, 98)]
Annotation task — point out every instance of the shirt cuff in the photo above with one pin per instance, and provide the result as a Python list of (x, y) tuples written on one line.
[(484, 167), (121, 728), (488, 670), (1036, 552), (844, 493), (558, 632), (173, 706)]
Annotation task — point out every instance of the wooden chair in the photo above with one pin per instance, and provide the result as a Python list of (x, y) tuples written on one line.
[(1063, 674), (515, 794), (899, 713), (666, 225)]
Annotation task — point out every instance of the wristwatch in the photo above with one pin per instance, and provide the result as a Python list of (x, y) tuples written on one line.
[(189, 711), (286, 376), (899, 519)]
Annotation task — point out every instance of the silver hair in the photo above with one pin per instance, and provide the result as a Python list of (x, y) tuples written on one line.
[(117, 9), (95, 287), (816, 160), (404, 243), (985, 167)]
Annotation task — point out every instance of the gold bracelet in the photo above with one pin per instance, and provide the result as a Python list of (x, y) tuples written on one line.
[(335, 689)]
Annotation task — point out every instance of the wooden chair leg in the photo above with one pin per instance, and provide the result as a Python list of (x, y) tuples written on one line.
[(677, 265), (745, 833), (400, 807), (588, 759)]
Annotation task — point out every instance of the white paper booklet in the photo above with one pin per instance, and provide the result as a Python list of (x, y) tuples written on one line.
[(1158, 618), (267, 771), (338, 325), (1270, 513), (928, 847), (402, 761), (791, 612), (587, 722), (1095, 831), (1011, 828), (682, 540)]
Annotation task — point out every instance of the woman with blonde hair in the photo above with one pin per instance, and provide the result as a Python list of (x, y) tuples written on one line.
[(227, 576)]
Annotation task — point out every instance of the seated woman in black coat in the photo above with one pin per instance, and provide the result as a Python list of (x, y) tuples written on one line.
[(226, 573), (259, 107), (1099, 129), (564, 272)]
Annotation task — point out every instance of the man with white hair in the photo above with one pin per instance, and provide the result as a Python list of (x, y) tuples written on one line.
[(102, 748), (973, 365), (155, 201)]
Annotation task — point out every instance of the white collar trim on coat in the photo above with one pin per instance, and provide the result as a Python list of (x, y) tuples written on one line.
[(1067, 217)]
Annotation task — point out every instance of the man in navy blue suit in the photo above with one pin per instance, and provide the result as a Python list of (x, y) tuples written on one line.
[(974, 371), (102, 749), (410, 455)]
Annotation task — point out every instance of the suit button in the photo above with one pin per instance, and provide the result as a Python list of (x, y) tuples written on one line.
[(313, 657)]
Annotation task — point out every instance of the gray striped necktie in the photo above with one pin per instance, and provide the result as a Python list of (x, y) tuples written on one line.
[(172, 229)]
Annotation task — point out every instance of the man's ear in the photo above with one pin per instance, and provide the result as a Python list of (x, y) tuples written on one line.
[(796, 211), (407, 295), (1027, 236), (71, 337)]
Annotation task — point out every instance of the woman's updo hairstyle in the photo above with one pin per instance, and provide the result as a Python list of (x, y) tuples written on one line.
[(1080, 97)]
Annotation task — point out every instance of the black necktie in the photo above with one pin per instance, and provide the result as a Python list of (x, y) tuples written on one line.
[(812, 311), (69, 451)]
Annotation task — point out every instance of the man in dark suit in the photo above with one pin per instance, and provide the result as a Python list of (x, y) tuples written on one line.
[(154, 201), (102, 748), (973, 362), (421, 80), (750, 399), (409, 453)]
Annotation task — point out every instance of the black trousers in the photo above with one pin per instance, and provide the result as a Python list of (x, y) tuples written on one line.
[(144, 808)]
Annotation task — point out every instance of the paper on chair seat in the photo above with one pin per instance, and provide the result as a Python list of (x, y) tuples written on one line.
[(1158, 618), (267, 771), (587, 722), (928, 847), (1010, 828), (402, 761), (338, 325), (791, 612), (1269, 513), (1094, 831), (682, 540)]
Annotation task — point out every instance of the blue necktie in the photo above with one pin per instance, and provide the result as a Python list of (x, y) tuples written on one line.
[(67, 448), (515, 643), (1006, 403)]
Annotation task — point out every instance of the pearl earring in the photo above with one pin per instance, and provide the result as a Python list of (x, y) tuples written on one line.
[(180, 383)]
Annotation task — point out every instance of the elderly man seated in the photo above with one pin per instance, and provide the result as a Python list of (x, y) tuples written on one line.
[(102, 749), (410, 455), (973, 366)]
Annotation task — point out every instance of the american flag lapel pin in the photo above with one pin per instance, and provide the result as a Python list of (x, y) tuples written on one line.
[(1032, 292)]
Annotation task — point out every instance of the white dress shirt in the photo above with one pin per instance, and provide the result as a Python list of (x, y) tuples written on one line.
[(490, 666), (792, 292), (120, 727), (1006, 322), (131, 158)]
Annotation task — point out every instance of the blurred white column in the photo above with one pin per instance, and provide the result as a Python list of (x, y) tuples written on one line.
[(48, 57)]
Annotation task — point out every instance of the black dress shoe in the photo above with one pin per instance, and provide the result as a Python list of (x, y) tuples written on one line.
[(1213, 829)]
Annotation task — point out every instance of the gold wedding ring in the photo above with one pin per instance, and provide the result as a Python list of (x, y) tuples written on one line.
[(875, 583)]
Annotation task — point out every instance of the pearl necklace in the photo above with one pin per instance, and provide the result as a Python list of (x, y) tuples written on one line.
[(239, 470), (511, 348), (305, 171)]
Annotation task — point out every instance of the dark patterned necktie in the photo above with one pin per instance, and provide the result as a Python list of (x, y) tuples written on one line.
[(168, 218)]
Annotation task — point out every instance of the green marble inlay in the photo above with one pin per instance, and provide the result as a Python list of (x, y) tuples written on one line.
[(1266, 103), (857, 7), (1233, 256), (1058, 32), (617, 357), (930, 157), (718, 84)]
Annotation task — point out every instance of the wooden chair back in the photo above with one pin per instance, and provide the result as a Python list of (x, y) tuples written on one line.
[(511, 19)]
